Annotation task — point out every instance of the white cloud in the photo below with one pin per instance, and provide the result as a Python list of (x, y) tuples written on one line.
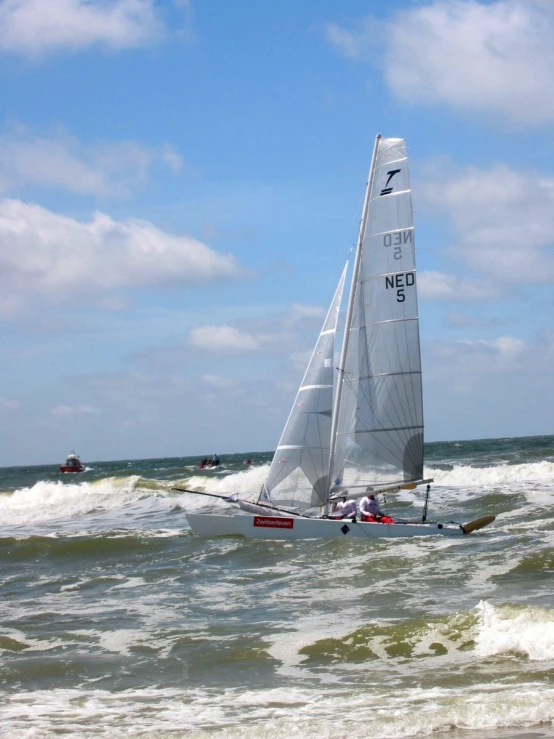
[(467, 363), (9, 404), (463, 320), (495, 56), (173, 160), (222, 339), (217, 381), (38, 27), (477, 389), (433, 285), (61, 161), (504, 223), (504, 348), (360, 42), (45, 256), (299, 312), (289, 333), (78, 410)]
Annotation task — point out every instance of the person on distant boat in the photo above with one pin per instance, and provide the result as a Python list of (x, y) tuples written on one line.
[(215, 460), (204, 463)]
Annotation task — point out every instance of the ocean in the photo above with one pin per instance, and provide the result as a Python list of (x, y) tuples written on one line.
[(117, 621)]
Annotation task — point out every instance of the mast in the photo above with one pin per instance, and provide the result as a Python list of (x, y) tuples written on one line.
[(348, 322)]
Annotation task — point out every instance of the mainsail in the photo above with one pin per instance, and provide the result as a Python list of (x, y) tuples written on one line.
[(298, 476), (378, 431)]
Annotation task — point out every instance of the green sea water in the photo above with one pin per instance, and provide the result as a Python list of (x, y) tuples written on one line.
[(116, 621)]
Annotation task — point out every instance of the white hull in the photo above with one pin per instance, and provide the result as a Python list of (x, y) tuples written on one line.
[(281, 527), (270, 527), (213, 525)]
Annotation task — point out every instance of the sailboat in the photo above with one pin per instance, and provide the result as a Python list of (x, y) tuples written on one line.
[(357, 427)]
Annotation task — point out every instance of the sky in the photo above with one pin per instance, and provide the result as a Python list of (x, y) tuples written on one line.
[(181, 183)]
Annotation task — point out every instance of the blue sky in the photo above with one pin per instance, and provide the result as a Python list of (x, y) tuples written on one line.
[(181, 183)]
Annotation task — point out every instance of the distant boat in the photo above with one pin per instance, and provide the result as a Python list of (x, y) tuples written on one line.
[(208, 464), (72, 464)]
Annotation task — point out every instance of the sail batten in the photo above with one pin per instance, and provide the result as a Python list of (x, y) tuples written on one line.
[(391, 374), (380, 429), (392, 230), (399, 192), (393, 320), (393, 161), (387, 274)]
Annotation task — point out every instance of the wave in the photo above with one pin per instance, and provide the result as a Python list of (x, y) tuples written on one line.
[(464, 475), (246, 482), (515, 629), (249, 482), (487, 631), (371, 707), (49, 501), (112, 544)]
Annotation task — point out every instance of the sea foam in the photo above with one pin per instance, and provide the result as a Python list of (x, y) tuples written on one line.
[(464, 475), (524, 630), (46, 501)]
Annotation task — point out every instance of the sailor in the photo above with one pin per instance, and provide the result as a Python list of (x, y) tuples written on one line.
[(369, 508), (345, 508)]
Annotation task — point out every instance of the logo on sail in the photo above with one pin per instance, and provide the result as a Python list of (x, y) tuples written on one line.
[(387, 190)]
